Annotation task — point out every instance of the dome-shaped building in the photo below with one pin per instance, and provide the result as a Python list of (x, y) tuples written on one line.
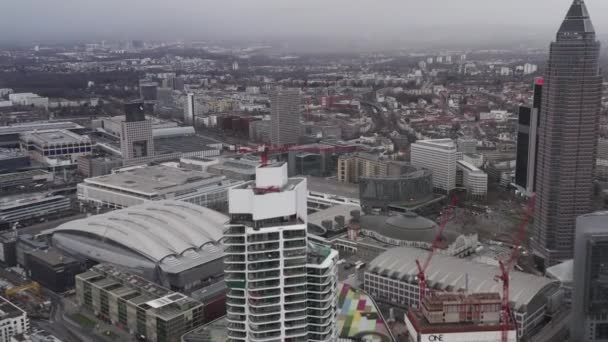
[(412, 230)]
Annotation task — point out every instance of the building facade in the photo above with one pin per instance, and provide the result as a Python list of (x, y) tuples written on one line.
[(281, 287), (474, 180), (13, 320), (12, 180), (590, 299), (409, 189), (55, 147), (568, 134), (527, 141), (140, 306), (136, 138), (458, 318), (353, 167), (30, 208), (285, 117), (440, 157), (189, 111)]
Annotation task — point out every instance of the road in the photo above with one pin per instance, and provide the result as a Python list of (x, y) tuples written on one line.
[(555, 330)]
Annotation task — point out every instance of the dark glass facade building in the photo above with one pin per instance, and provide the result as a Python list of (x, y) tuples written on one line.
[(413, 187), (590, 297), (568, 132), (527, 141)]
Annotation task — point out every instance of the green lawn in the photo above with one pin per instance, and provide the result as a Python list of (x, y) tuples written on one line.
[(83, 320)]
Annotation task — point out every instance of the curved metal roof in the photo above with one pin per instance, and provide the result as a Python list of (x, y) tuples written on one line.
[(156, 230), (406, 227), (448, 273)]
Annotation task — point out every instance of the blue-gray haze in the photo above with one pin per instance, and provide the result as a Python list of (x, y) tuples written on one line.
[(458, 20)]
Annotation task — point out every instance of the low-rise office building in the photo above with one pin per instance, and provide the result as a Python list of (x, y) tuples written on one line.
[(353, 167), (31, 208), (16, 179), (153, 183), (28, 99), (90, 166), (53, 269), (10, 135), (56, 147), (13, 160), (142, 307)]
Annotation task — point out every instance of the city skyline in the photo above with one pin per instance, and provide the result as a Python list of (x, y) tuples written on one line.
[(315, 171)]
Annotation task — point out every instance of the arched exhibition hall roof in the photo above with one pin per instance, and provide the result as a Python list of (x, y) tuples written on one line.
[(155, 230), (449, 273)]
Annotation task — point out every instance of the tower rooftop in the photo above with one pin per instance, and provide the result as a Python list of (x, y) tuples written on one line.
[(577, 22)]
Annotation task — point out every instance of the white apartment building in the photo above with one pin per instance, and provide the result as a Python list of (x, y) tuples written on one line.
[(13, 320), (473, 179), (28, 99), (439, 156), (281, 287)]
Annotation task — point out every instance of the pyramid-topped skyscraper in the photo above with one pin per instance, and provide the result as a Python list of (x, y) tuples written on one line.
[(568, 134)]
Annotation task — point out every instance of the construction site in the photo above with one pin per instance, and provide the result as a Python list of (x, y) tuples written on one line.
[(473, 300), (30, 298)]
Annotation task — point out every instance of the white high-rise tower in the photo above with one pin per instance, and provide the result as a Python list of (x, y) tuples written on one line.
[(281, 287), (189, 110)]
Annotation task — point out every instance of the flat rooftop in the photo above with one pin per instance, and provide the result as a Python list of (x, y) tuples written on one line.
[(155, 180), (146, 294), (469, 166), (8, 309), (52, 256), (183, 144), (330, 213), (444, 144), (55, 137), (331, 186), (30, 127)]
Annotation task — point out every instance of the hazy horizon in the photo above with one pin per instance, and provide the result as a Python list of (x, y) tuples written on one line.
[(428, 21)]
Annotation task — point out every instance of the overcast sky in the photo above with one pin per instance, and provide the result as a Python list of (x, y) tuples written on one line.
[(208, 19)]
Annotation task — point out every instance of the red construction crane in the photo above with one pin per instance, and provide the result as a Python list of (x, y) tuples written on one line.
[(447, 213), (505, 269)]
